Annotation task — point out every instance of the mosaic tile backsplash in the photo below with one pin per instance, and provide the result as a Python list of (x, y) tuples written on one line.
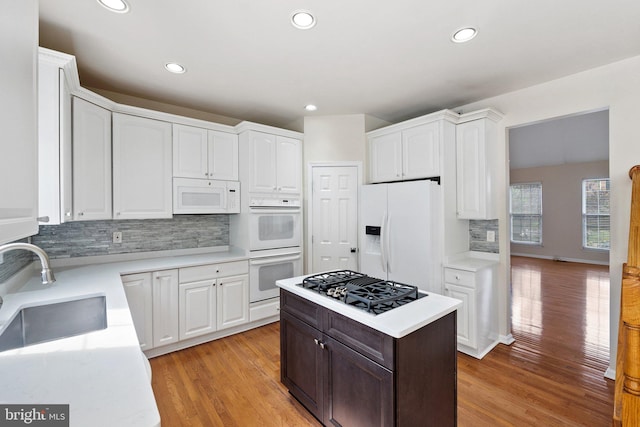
[(478, 236), (88, 238)]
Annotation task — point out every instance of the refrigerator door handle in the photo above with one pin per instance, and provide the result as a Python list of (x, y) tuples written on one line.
[(383, 255), (388, 242)]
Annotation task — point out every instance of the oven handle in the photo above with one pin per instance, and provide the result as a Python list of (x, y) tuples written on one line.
[(274, 260)]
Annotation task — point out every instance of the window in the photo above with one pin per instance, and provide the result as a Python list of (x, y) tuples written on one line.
[(595, 213), (526, 213)]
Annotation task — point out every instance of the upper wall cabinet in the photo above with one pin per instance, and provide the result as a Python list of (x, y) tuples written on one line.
[(206, 154), (91, 161), (141, 168), (54, 139), (19, 110), (403, 154), (275, 163), (477, 164)]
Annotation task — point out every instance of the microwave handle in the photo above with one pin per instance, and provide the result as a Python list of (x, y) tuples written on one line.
[(272, 260)]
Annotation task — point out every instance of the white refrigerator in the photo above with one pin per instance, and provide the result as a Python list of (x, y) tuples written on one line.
[(401, 232)]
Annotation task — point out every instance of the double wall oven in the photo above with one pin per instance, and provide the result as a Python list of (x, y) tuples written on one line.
[(275, 241)]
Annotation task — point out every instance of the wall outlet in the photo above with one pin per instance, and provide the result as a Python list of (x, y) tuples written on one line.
[(117, 237), (491, 236)]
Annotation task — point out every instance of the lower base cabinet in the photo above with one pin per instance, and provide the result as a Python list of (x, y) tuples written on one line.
[(347, 374)]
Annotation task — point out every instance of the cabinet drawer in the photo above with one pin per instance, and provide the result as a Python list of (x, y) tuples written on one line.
[(308, 312), (213, 271), (375, 345), (263, 309), (459, 277)]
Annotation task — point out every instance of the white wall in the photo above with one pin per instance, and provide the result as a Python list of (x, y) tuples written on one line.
[(616, 86), (562, 211)]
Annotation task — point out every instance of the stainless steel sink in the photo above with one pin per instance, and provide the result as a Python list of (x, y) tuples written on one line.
[(48, 322)]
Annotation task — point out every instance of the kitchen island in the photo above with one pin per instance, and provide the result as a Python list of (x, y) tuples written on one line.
[(350, 367)]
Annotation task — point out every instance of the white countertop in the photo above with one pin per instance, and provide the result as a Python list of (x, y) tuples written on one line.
[(472, 261), (101, 374), (397, 323)]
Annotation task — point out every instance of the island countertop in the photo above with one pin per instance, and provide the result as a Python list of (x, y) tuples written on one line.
[(397, 323)]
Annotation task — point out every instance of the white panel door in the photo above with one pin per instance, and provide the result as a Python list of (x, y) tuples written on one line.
[(232, 301), (335, 218), (141, 168), (197, 308), (137, 288), (165, 307), (288, 165), (223, 156), (190, 152), (421, 151), (91, 161)]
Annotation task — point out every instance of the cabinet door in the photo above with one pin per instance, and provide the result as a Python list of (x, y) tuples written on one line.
[(165, 307), (349, 374), (223, 156), (385, 154), (466, 315), (233, 301), (301, 367), (470, 169), (190, 152), (197, 308), (19, 111), (141, 168), (421, 151), (263, 162), (288, 165), (137, 287), (91, 161)]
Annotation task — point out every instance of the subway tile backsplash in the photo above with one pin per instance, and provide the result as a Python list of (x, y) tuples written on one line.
[(478, 236), (87, 238)]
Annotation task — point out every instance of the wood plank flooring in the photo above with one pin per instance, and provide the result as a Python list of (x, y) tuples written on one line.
[(551, 376)]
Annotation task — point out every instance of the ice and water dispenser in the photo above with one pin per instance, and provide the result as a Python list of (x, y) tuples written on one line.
[(372, 239)]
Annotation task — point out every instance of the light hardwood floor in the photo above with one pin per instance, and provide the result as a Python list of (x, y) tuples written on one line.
[(551, 376)]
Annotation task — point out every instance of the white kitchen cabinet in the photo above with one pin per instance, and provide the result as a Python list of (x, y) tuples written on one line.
[(138, 289), (404, 154), (91, 161), (473, 281), (19, 112), (478, 165), (142, 161), (55, 191), (233, 301), (276, 163), (206, 154), (165, 307), (213, 297), (197, 308)]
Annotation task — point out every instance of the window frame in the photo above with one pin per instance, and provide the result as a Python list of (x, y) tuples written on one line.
[(585, 215), (511, 214)]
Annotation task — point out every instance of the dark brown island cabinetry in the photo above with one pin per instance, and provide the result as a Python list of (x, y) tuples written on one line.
[(350, 375)]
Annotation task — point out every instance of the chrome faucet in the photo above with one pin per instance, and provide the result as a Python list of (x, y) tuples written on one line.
[(46, 273)]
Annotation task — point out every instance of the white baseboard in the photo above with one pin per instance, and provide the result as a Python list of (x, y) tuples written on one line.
[(610, 373), (554, 258), (506, 339)]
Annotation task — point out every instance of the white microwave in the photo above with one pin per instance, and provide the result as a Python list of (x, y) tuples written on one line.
[(205, 196)]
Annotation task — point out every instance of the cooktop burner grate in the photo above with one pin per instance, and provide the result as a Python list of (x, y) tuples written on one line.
[(359, 290)]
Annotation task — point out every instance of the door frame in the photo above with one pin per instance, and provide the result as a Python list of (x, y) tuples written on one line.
[(308, 211)]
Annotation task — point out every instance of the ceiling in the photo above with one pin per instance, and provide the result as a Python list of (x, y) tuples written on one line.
[(392, 60), (576, 139)]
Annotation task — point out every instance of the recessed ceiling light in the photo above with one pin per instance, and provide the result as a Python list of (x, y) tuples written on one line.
[(119, 6), (303, 19), (464, 35), (174, 67), (310, 107)]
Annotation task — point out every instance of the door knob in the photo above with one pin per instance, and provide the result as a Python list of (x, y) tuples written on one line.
[(353, 250)]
